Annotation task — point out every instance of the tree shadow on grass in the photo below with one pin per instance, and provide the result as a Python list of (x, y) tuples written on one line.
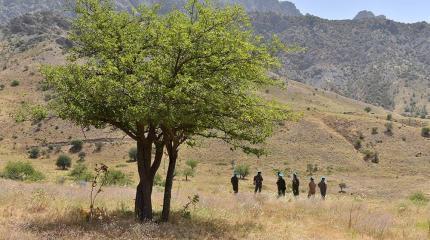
[(121, 225)]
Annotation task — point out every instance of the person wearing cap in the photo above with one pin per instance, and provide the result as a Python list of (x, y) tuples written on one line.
[(296, 184), (281, 185), (312, 188), (323, 187), (235, 183), (258, 182)]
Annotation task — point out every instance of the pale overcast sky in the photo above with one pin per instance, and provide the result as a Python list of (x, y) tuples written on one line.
[(398, 10)]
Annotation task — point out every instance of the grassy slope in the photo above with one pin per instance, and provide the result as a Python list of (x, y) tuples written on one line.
[(323, 137)]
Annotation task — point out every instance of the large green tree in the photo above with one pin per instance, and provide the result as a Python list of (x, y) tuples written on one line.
[(167, 80)]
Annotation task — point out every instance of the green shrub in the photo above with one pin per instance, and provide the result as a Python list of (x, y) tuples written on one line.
[(188, 172), (419, 198), (2, 86), (425, 132), (389, 117), (192, 163), (76, 146), (357, 144), (370, 155), (242, 170), (116, 177), (38, 113), (14, 83), (64, 162), (81, 173), (82, 156), (367, 109), (374, 130), (132, 154), (34, 152), (21, 171)]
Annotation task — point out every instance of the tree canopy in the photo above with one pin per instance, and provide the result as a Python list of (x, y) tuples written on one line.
[(166, 79)]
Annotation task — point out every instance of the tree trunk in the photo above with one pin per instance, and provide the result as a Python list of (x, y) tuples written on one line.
[(143, 203), (173, 155)]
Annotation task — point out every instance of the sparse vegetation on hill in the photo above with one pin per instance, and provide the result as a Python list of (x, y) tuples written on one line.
[(64, 162), (22, 171)]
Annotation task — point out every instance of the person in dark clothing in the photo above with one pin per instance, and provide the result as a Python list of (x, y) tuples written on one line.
[(235, 183), (258, 182), (281, 185), (312, 188), (296, 184), (323, 187)]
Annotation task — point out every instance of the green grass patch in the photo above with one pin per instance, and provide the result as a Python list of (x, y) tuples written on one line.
[(419, 198), (21, 171)]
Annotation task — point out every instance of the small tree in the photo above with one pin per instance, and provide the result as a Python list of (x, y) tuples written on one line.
[(368, 109), (192, 163), (34, 152), (76, 146), (425, 132), (242, 170), (132, 154), (64, 162), (188, 172), (374, 130), (342, 186)]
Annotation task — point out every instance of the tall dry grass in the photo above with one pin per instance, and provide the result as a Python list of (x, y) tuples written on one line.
[(49, 211)]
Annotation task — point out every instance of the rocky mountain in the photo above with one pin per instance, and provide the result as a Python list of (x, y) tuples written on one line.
[(363, 15), (10, 9), (369, 58)]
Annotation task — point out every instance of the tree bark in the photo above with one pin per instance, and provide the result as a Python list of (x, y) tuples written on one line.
[(143, 202), (173, 156)]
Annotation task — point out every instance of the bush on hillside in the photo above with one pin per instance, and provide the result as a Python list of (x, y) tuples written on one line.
[(357, 144), (117, 177), (425, 132), (419, 198), (81, 173), (389, 117), (374, 130), (192, 163), (367, 109), (14, 83), (242, 170), (34, 152), (64, 162), (370, 155), (132, 154), (21, 171), (76, 146), (188, 172), (82, 156)]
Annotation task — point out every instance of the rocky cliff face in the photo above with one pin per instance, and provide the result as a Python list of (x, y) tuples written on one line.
[(374, 60), (363, 15)]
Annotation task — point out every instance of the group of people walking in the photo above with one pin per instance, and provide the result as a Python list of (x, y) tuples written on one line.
[(282, 186)]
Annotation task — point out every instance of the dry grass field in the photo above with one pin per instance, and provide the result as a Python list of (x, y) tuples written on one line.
[(376, 204)]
